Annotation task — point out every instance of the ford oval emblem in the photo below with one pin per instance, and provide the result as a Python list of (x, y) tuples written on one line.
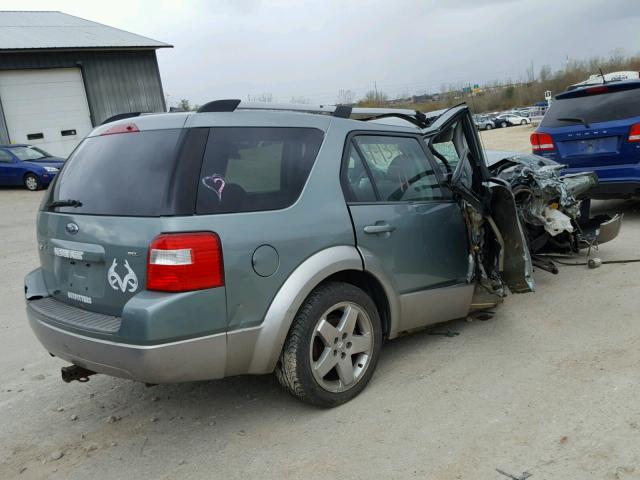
[(72, 228)]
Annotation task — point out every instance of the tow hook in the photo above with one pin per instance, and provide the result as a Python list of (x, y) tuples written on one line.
[(74, 372)]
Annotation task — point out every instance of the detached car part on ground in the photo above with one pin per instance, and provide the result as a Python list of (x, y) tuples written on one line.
[(266, 241), (553, 208)]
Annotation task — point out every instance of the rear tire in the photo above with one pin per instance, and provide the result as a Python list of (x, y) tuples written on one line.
[(488, 126), (332, 347), (523, 122), (32, 182), (504, 124)]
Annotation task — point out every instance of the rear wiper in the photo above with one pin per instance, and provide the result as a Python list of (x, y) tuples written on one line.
[(573, 120), (65, 203)]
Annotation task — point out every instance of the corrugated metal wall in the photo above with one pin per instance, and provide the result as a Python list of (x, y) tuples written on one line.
[(115, 81)]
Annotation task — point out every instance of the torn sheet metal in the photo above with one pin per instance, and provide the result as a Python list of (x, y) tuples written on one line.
[(549, 203)]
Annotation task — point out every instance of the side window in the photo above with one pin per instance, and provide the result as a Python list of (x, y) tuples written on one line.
[(357, 179), (5, 157), (249, 169), (399, 168), (452, 147), (449, 147)]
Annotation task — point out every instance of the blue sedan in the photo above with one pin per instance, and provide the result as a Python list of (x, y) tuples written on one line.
[(27, 165)]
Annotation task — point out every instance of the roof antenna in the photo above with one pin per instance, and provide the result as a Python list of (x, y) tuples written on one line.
[(602, 75)]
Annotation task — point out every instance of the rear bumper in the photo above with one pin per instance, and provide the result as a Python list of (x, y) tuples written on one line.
[(201, 358)]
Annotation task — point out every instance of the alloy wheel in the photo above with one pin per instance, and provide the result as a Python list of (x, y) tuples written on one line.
[(341, 347), (31, 182)]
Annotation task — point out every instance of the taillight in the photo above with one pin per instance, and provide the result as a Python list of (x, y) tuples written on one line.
[(125, 128), (180, 262), (597, 89), (634, 133), (541, 142)]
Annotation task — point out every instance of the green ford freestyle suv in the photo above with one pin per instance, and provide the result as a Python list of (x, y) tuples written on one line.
[(249, 238)]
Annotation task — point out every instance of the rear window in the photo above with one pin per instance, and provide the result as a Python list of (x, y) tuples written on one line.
[(123, 174), (602, 107), (249, 169)]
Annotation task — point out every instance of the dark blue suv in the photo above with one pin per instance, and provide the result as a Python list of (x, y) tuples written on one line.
[(596, 129)]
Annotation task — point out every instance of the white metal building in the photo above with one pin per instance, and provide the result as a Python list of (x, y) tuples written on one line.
[(61, 75)]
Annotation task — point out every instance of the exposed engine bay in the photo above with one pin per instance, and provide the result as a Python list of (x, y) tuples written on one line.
[(552, 207), (520, 210)]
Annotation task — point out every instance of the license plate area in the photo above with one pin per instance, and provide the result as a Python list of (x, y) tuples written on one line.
[(591, 146), (84, 278)]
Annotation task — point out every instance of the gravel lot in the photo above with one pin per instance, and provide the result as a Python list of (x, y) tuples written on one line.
[(548, 386)]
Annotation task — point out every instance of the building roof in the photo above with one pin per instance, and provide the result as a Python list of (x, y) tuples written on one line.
[(21, 30)]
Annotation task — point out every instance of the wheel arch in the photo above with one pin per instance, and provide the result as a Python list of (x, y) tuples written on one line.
[(264, 344), (367, 282)]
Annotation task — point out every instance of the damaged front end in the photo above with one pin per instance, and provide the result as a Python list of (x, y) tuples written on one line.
[(499, 258), (551, 207)]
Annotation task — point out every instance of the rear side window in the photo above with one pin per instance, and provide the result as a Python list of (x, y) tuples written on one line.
[(249, 169), (602, 107), (131, 174)]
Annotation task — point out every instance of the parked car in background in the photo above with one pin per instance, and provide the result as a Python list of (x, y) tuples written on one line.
[(27, 165), (510, 119), (483, 122), (219, 269), (597, 129)]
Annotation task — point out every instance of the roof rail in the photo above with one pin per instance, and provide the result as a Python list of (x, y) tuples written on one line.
[(417, 118)]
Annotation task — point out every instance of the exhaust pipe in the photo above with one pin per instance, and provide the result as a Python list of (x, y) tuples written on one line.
[(74, 372)]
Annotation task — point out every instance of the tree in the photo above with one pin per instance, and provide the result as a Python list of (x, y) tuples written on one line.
[(265, 97), (373, 98), (302, 100), (545, 73), (346, 97), (185, 105)]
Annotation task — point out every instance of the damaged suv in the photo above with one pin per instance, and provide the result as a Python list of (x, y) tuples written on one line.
[(248, 239)]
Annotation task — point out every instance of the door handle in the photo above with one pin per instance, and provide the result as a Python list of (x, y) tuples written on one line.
[(379, 228)]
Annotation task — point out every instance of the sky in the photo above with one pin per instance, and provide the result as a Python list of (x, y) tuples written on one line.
[(313, 49)]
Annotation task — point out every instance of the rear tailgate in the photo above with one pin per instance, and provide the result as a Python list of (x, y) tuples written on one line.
[(107, 205), (600, 145), (100, 267), (590, 127)]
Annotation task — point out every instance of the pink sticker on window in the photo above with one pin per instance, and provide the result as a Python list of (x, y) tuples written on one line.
[(216, 183)]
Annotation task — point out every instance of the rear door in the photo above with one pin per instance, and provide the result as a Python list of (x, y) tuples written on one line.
[(406, 221), (590, 127)]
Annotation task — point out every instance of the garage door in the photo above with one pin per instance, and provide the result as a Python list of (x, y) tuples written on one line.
[(46, 107)]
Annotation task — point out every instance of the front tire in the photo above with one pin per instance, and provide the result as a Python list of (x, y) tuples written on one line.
[(523, 122), (488, 126), (333, 346), (504, 124), (32, 182)]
